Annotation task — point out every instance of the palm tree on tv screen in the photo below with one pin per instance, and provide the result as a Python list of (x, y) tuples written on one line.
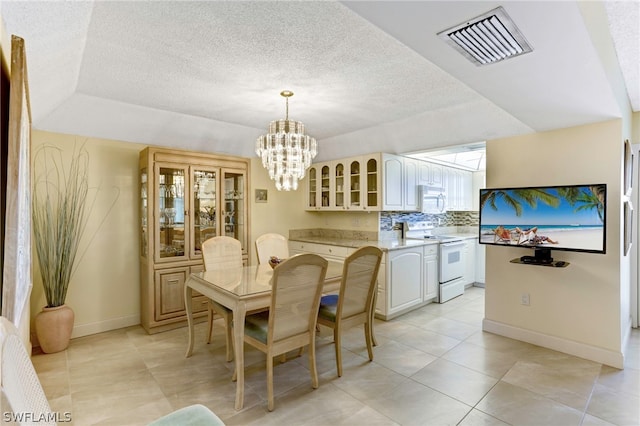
[(515, 197)]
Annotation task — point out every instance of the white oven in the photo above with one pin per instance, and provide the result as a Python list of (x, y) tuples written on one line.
[(452, 268)]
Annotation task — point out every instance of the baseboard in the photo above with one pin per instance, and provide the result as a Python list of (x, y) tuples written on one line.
[(581, 350), (102, 326)]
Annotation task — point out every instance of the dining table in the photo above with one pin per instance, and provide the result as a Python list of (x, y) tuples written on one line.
[(243, 289)]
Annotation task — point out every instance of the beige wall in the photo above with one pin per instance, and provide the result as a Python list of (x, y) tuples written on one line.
[(575, 309), (104, 292), (635, 132)]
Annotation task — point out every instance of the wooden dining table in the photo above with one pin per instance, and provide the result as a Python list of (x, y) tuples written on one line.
[(242, 290)]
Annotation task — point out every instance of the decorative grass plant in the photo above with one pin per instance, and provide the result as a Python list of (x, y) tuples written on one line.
[(59, 213)]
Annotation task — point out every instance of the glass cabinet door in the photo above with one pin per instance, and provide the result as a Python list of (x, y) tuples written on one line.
[(144, 230), (170, 214), (354, 184), (325, 174), (234, 213), (339, 186), (373, 184), (205, 207), (312, 193)]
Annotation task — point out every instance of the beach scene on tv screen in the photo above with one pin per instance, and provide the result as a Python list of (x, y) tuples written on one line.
[(571, 217)]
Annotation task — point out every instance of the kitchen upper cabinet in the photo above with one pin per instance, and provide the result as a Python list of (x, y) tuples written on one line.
[(185, 198), (350, 184), (459, 189), (393, 182), (400, 177), (410, 185), (430, 174)]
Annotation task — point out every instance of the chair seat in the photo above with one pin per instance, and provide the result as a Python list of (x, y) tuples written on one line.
[(193, 415), (328, 307), (257, 325)]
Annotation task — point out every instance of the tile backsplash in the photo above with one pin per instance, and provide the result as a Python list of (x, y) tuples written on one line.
[(448, 219)]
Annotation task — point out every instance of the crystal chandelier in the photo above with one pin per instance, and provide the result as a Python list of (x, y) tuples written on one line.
[(286, 150)]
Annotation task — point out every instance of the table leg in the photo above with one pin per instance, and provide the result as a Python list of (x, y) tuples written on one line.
[(189, 308), (239, 314)]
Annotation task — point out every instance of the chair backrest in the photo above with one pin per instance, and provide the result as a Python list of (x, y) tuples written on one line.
[(20, 385), (271, 244), (221, 253), (295, 298), (359, 276)]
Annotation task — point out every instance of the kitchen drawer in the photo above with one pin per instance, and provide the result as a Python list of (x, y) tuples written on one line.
[(321, 249), (431, 250)]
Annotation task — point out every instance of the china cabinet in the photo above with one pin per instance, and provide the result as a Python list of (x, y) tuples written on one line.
[(185, 198)]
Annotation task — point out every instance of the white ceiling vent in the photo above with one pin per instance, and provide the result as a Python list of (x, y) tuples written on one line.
[(488, 38)]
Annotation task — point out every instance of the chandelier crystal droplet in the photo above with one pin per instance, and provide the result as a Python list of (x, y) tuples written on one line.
[(286, 151)]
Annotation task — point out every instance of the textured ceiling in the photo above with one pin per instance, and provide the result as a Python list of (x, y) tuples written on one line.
[(367, 76)]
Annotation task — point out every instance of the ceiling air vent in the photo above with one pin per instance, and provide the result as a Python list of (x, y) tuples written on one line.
[(488, 38)]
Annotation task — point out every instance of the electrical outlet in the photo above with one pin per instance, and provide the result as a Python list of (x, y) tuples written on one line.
[(524, 299)]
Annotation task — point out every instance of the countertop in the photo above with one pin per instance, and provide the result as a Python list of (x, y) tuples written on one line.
[(385, 245)]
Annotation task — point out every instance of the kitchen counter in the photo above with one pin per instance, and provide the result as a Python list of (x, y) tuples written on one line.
[(385, 245)]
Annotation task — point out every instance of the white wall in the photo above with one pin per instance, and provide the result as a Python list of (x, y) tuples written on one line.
[(581, 309)]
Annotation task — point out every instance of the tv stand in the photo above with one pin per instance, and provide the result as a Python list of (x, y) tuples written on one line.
[(542, 257)]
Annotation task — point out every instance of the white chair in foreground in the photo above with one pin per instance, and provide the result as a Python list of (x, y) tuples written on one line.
[(271, 244), (20, 384), (221, 253), (27, 402)]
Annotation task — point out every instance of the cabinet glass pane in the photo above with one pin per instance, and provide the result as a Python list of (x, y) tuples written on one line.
[(234, 207), (312, 186), (339, 179), (372, 183), (354, 176), (205, 208), (144, 232), (325, 186), (171, 211)]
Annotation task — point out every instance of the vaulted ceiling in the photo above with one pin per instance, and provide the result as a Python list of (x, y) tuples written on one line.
[(367, 76)]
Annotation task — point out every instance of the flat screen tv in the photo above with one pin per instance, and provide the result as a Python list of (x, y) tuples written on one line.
[(570, 217)]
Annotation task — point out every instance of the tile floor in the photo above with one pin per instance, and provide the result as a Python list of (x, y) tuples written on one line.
[(433, 366)]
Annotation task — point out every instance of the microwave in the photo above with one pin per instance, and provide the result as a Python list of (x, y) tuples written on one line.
[(432, 199)]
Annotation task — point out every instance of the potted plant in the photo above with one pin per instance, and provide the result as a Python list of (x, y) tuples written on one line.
[(59, 214)]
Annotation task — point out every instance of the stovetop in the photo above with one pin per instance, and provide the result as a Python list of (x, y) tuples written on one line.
[(424, 231)]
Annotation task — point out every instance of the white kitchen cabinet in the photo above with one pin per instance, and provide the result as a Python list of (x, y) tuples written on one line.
[(459, 189), (469, 258), (430, 272), (349, 184), (393, 196), (430, 174), (400, 180), (410, 184), (404, 279)]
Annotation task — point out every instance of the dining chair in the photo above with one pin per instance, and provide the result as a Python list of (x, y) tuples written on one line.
[(290, 322), (218, 253), (354, 304), (271, 244)]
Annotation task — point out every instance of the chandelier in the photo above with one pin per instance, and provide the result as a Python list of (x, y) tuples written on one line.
[(286, 150)]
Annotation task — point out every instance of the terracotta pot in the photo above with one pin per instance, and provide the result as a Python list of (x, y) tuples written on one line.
[(54, 327)]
